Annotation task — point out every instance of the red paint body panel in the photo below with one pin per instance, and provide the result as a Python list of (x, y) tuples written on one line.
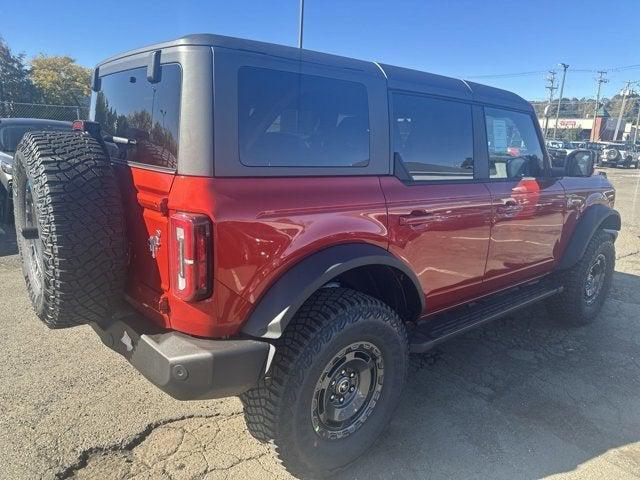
[(460, 239), (528, 219), (145, 194), (442, 233), (582, 193)]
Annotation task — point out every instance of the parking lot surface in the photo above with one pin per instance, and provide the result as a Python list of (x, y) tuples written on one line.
[(520, 398)]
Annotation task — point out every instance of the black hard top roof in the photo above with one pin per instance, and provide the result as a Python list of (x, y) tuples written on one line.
[(397, 77)]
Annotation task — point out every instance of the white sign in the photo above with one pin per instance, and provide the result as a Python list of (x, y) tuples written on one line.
[(500, 135)]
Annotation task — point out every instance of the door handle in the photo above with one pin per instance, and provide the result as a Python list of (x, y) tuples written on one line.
[(508, 203), (508, 206), (416, 217)]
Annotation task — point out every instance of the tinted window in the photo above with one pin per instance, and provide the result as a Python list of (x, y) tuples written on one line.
[(129, 106), (291, 120), (11, 135), (433, 138), (514, 147)]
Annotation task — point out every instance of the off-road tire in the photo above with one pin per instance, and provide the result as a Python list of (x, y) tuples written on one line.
[(571, 306), (279, 409), (5, 206), (64, 184)]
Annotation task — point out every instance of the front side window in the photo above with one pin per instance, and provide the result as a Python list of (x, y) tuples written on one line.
[(433, 138), (128, 106), (288, 119), (514, 146)]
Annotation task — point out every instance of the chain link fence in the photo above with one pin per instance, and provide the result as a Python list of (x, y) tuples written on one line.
[(40, 110)]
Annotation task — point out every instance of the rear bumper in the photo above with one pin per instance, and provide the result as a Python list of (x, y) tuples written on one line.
[(185, 367)]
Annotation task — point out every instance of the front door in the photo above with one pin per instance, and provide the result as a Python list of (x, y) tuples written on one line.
[(439, 214), (528, 205)]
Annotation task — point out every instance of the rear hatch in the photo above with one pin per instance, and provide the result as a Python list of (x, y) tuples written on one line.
[(144, 117)]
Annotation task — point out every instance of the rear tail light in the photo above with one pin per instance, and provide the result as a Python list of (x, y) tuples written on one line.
[(191, 256)]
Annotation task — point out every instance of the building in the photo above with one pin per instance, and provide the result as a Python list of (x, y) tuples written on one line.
[(583, 128)]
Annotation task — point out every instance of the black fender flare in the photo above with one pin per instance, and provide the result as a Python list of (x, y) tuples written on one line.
[(279, 304), (593, 219)]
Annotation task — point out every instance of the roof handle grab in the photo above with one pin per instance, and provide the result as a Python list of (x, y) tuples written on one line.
[(153, 67)]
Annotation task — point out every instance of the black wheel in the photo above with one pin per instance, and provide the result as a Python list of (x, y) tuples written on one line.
[(587, 284), (334, 383), (70, 228)]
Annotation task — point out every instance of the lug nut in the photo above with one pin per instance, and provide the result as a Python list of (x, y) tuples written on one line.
[(341, 399), (332, 397), (343, 372), (352, 388), (333, 383), (352, 375)]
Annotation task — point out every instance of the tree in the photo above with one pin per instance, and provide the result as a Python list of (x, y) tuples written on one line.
[(15, 84), (60, 80)]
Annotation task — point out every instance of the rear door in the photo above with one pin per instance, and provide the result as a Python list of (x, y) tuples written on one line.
[(528, 204), (439, 212), (147, 114)]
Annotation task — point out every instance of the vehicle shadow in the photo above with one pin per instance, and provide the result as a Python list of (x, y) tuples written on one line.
[(8, 245), (522, 398)]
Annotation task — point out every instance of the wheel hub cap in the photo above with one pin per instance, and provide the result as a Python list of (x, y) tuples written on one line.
[(347, 390), (595, 279)]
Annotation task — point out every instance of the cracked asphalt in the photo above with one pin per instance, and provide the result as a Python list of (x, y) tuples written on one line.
[(522, 398)]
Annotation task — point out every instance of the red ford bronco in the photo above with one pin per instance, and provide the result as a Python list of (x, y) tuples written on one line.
[(241, 218)]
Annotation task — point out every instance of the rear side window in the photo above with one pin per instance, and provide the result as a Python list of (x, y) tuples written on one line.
[(514, 147), (287, 119), (433, 137), (128, 106)]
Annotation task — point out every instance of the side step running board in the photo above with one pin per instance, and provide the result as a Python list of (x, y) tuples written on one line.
[(442, 327)]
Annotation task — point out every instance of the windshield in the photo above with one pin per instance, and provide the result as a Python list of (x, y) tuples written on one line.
[(10, 135)]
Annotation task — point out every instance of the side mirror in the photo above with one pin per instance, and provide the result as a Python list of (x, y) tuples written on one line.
[(579, 163)]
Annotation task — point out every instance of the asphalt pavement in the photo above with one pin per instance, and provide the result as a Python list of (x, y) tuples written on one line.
[(522, 398)]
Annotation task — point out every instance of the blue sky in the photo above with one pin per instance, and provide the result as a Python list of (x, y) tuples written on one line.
[(461, 38)]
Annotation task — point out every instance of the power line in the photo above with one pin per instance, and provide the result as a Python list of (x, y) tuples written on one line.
[(621, 68)]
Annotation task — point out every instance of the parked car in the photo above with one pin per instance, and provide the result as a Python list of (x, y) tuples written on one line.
[(558, 150), (621, 155), (11, 132), (294, 240)]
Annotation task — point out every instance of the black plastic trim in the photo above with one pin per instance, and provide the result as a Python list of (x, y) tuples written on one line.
[(588, 224), (281, 302), (153, 67), (185, 367), (457, 321)]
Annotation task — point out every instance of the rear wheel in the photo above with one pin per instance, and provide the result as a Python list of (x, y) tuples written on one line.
[(5, 205), (70, 228), (587, 284), (335, 381)]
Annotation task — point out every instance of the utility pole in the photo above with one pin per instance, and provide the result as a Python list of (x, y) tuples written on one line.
[(564, 75), (624, 101), (551, 78), (301, 24), (600, 80), (635, 133)]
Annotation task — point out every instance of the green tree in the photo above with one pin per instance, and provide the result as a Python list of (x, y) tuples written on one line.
[(15, 84), (60, 80)]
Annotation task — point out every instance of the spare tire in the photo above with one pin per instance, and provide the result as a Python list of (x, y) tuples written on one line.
[(70, 227)]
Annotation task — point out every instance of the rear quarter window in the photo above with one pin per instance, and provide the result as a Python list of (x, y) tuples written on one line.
[(287, 119), (129, 106)]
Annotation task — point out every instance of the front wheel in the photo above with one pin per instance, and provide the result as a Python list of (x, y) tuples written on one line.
[(587, 284), (335, 381)]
